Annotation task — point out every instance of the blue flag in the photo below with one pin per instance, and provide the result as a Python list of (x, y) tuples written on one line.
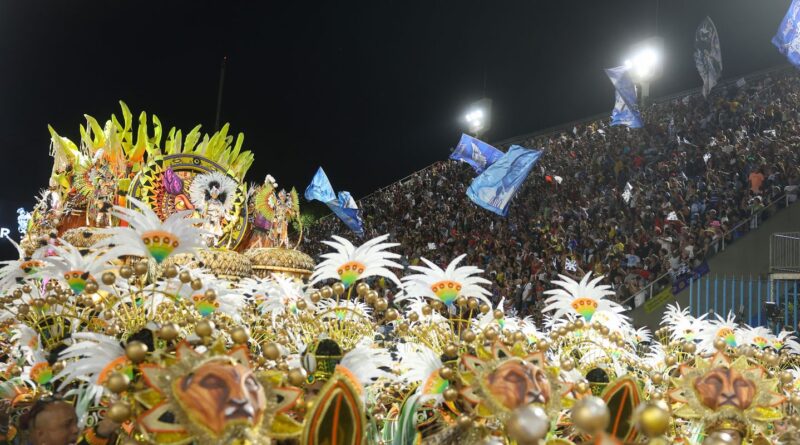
[(626, 112), (476, 153), (320, 188), (787, 40), (343, 206), (494, 188)]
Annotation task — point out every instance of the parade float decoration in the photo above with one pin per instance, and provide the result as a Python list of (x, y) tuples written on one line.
[(156, 288)]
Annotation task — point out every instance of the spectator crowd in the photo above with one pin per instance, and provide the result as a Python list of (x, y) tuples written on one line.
[(636, 206)]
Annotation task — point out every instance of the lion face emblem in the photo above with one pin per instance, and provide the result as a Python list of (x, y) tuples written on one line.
[(725, 387), (218, 394), (515, 383)]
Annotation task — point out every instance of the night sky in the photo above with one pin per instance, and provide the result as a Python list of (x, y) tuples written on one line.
[(372, 91)]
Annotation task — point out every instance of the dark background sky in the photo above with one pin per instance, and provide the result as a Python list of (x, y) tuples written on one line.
[(372, 90)]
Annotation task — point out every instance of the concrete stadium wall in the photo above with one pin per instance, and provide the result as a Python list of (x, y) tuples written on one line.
[(748, 256)]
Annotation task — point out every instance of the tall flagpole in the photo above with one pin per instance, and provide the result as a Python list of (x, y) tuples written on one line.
[(219, 92)]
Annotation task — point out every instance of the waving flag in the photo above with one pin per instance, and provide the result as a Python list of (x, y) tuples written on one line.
[(787, 40), (476, 153), (343, 206), (707, 55), (494, 188), (626, 112)]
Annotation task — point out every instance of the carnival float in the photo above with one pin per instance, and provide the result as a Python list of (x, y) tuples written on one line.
[(155, 287)]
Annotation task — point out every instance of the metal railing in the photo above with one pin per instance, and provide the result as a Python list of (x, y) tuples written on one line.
[(784, 252), (717, 246), (747, 297)]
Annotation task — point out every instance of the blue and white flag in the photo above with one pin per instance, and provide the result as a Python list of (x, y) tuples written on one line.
[(494, 188), (343, 206), (787, 40), (320, 188), (626, 111), (476, 153), (707, 54)]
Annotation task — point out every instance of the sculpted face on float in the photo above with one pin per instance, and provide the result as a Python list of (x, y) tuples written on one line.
[(725, 387), (515, 383), (220, 393)]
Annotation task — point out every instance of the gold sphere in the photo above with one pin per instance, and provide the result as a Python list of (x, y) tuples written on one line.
[(450, 394), (140, 268), (392, 314), (568, 364), (786, 377), (296, 376), (653, 420), (17, 293), (498, 314), (413, 317), (197, 284), (671, 360), (656, 377), (108, 278), (315, 297), (338, 288), (795, 399), (91, 287), (590, 415), (579, 324), (446, 372), (210, 294), (604, 330), (169, 331), (543, 345), (689, 348), (136, 351), (271, 351), (719, 344), (464, 421), (361, 289), (451, 350), (461, 301), (490, 334), (562, 331), (719, 438), (301, 304), (326, 292), (468, 336), (527, 425), (119, 412), (125, 272), (23, 309), (171, 271), (371, 297), (204, 328), (381, 304), (117, 382), (472, 303), (484, 308), (185, 277), (427, 310), (51, 300), (240, 336)]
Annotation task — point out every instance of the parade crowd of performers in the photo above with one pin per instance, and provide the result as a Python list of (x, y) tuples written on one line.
[(698, 168)]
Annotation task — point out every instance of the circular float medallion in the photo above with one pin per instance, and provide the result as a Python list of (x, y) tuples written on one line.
[(165, 185)]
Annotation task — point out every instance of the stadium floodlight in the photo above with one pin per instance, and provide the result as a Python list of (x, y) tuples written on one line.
[(645, 62), (478, 116)]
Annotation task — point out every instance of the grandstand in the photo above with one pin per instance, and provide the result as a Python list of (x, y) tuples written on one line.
[(703, 171)]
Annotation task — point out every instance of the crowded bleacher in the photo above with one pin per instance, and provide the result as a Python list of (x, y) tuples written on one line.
[(698, 170)]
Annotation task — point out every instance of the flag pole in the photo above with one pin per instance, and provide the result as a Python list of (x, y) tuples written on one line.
[(219, 92)]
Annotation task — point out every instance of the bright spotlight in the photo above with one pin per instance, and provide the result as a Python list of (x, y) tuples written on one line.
[(644, 61), (478, 116)]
